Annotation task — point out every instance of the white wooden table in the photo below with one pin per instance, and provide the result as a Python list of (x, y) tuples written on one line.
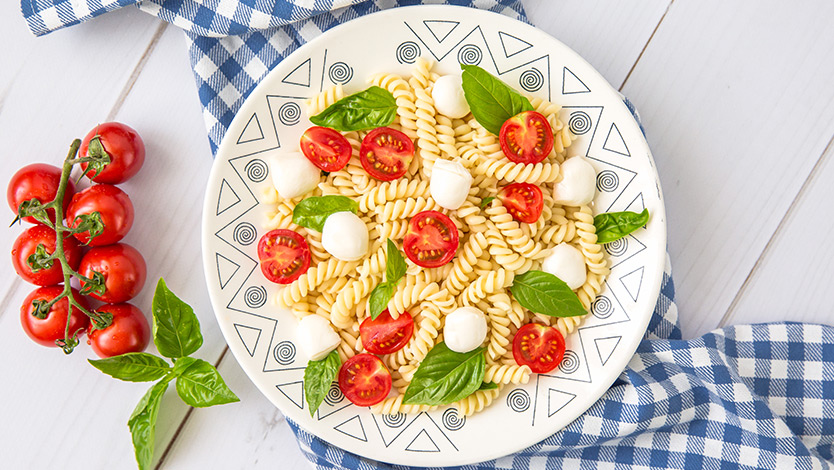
[(737, 99)]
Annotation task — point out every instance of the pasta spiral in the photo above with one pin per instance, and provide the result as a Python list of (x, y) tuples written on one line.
[(323, 100)]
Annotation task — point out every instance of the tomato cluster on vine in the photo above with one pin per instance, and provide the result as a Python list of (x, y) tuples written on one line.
[(90, 224)]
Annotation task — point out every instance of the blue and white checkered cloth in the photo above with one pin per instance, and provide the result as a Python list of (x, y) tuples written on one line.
[(743, 397)]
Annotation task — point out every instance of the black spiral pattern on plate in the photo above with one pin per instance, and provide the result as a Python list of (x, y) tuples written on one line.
[(617, 247), (255, 297), (394, 421), (518, 400), (334, 395), (284, 353), (340, 73), (408, 52), (602, 307), (256, 170), (245, 233), (531, 80), (452, 420), (607, 181), (470, 54), (570, 363), (579, 122), (289, 113)]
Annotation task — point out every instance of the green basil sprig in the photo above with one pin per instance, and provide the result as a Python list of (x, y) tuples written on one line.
[(488, 386), (313, 211), (368, 109), (176, 334), (317, 379), (545, 293), (445, 376), (395, 268), (612, 226), (491, 101)]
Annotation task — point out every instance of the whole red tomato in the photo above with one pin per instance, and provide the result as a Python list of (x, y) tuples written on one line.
[(45, 332), (37, 181), (123, 268), (114, 206), (26, 245), (123, 145), (129, 332)]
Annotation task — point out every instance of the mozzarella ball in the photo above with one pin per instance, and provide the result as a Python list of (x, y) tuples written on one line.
[(450, 183), (448, 97), (566, 263), (578, 183), (293, 175), (316, 337), (465, 329), (345, 236)]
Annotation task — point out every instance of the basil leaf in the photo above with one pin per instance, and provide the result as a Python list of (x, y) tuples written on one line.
[(492, 101), (200, 385), (142, 424), (488, 386), (176, 330), (545, 293), (486, 201), (395, 266), (317, 379), (374, 107), (445, 376), (380, 297), (613, 226), (313, 211), (133, 367)]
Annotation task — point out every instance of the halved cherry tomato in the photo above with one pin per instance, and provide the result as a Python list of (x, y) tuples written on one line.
[(431, 239), (385, 335), (27, 244), (364, 380), (526, 137), (37, 181), (284, 255), (523, 201), (326, 148), (538, 346), (386, 153)]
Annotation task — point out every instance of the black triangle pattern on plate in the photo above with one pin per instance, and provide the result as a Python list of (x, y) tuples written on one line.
[(422, 443), (512, 45), (606, 346), (226, 269), (249, 336), (571, 84), (614, 141), (557, 400), (390, 427), (441, 29), (612, 182), (252, 132), (632, 282), (354, 428), (294, 391), (301, 75), (226, 198)]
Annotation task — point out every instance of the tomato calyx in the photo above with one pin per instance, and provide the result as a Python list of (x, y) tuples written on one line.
[(524, 201), (526, 137), (97, 157)]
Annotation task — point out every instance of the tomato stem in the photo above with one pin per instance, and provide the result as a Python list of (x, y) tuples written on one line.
[(100, 320)]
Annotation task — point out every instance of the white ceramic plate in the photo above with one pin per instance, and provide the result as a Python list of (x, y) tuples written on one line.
[(262, 337)]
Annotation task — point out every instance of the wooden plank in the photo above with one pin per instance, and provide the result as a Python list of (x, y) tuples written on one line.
[(250, 434), (738, 105), (792, 280), (610, 35)]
